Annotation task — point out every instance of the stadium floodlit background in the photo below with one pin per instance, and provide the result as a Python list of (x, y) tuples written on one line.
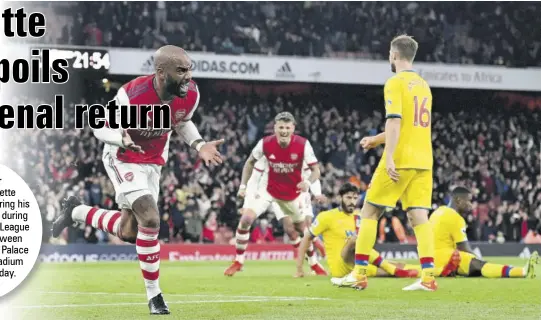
[(253, 60)]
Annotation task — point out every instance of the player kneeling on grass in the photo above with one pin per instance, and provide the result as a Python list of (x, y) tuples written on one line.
[(339, 229), (451, 243)]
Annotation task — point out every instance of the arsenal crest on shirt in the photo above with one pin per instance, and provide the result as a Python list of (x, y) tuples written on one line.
[(294, 156)]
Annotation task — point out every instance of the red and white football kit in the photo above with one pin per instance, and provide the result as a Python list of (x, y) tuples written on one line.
[(284, 174), (258, 183), (136, 174)]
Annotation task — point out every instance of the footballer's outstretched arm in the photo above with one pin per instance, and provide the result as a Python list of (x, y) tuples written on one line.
[(379, 138), (303, 247), (189, 133)]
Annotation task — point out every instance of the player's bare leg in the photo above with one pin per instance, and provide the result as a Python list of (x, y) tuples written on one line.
[(128, 226), (366, 238), (147, 245), (298, 229), (121, 224), (242, 237), (139, 226), (425, 246), (317, 242)]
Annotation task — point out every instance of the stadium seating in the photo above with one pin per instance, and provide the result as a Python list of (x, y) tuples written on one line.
[(447, 32)]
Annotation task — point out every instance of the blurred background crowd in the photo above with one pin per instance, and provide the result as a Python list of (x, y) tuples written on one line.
[(500, 33), (480, 141), (485, 140)]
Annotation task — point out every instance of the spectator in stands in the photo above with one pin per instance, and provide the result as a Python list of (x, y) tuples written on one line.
[(488, 148), (193, 227), (500, 33), (262, 233)]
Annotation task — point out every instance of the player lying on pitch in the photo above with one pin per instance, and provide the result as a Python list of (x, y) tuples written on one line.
[(451, 242), (285, 155), (339, 229)]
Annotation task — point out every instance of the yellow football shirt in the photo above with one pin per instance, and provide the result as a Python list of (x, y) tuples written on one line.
[(449, 228), (336, 227), (408, 96)]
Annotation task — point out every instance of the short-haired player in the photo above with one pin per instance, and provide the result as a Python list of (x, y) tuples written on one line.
[(285, 154)]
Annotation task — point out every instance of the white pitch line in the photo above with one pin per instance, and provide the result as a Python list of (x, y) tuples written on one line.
[(52, 306), (175, 295)]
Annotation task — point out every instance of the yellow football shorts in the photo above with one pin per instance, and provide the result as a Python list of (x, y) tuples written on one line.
[(413, 189)]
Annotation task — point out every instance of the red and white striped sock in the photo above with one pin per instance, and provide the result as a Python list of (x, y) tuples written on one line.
[(242, 237), (106, 220), (148, 251)]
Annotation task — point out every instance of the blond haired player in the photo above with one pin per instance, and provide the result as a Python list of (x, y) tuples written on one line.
[(256, 186), (338, 227), (285, 154), (405, 170), (451, 242)]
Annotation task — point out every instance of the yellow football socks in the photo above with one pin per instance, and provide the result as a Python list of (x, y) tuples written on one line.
[(491, 270), (366, 239), (379, 262), (425, 248)]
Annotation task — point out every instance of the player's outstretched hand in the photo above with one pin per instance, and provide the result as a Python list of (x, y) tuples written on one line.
[(321, 199), (303, 186), (129, 144), (368, 143), (209, 152), (391, 169)]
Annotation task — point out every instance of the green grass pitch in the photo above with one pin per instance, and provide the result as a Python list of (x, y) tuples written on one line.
[(264, 290)]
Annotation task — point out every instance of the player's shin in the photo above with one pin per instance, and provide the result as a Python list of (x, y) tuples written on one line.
[(366, 239), (491, 270), (105, 220), (425, 243), (148, 251), (242, 236)]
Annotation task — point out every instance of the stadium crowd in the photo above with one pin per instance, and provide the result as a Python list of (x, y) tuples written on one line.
[(446, 32), (478, 143)]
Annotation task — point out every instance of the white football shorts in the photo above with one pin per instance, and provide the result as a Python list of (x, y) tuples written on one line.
[(132, 180), (261, 201)]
